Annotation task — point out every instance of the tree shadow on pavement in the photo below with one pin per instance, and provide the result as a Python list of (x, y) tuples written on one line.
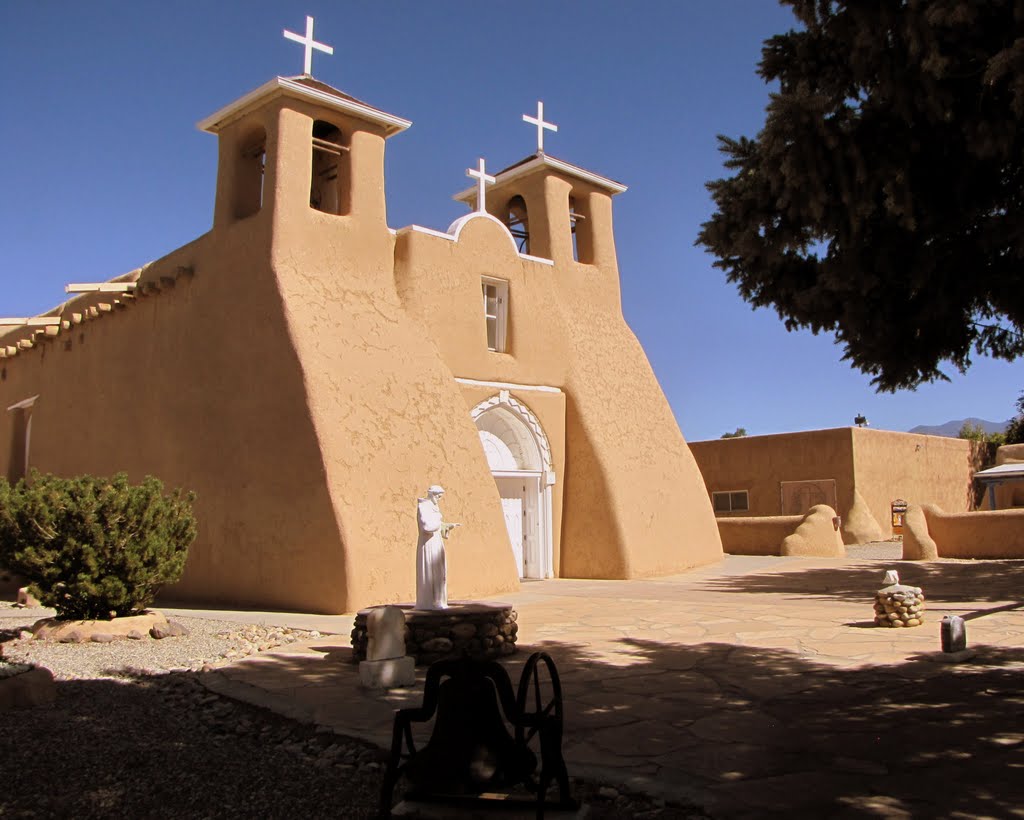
[(946, 581), (760, 731), (752, 732)]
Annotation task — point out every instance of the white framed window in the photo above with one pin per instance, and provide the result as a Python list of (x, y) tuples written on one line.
[(495, 293), (730, 501)]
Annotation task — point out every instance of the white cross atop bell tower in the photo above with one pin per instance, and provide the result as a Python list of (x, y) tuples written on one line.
[(541, 125), (309, 44), (483, 179)]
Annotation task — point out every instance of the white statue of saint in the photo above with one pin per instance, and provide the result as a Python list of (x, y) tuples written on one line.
[(431, 566)]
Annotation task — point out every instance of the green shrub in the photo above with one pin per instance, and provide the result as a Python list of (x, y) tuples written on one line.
[(94, 547)]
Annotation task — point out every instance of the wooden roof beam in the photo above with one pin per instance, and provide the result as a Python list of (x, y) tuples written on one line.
[(100, 287), (30, 321)]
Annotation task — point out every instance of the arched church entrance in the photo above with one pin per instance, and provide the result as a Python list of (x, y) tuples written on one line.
[(519, 456)]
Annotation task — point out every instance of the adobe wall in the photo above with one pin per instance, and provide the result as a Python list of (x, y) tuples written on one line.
[(756, 535), (758, 464), (1010, 494), (813, 534), (934, 533), (285, 384), (919, 469), (389, 418), (199, 386), (631, 499)]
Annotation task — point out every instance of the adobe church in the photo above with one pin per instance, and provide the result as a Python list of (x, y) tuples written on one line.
[(309, 371)]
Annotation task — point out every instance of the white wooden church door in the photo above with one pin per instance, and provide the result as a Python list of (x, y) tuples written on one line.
[(513, 506)]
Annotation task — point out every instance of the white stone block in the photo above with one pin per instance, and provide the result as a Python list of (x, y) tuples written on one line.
[(385, 629), (388, 673)]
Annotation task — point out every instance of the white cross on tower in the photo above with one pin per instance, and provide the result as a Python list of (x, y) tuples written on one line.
[(541, 125), (483, 179), (309, 43)]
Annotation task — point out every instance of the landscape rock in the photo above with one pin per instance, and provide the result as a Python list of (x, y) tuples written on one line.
[(52, 629), (168, 629), (32, 688)]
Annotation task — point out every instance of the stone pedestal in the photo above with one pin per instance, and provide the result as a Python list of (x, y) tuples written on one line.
[(484, 630), (899, 605)]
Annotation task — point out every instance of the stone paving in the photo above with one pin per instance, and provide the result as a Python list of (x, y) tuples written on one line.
[(755, 686)]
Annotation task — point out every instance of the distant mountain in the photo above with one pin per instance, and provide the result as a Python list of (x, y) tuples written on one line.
[(952, 428)]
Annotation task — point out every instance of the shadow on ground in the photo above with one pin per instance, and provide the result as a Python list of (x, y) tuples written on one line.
[(749, 732), (163, 747), (942, 581)]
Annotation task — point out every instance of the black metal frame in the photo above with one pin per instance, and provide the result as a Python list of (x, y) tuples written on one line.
[(544, 723)]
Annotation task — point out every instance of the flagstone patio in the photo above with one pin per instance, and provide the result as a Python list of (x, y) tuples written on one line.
[(754, 686)]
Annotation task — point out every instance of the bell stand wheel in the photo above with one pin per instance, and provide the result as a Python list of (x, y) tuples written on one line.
[(539, 703)]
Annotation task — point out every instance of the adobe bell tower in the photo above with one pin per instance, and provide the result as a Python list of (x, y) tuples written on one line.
[(554, 210), (296, 148)]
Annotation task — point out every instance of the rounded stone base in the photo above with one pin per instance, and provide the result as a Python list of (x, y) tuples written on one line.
[(52, 629), (484, 630)]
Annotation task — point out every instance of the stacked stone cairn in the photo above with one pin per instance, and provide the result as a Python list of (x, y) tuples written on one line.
[(898, 605)]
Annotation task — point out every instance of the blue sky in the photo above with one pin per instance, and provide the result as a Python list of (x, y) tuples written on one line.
[(105, 170)]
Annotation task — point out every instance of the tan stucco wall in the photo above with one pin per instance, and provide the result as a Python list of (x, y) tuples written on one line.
[(199, 386), (759, 464), (301, 378), (1010, 494), (917, 468), (817, 535), (982, 534), (757, 535), (918, 545), (871, 468), (632, 499), (813, 534)]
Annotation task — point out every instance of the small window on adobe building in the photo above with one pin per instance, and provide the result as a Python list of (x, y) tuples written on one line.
[(495, 293), (731, 501), (329, 175)]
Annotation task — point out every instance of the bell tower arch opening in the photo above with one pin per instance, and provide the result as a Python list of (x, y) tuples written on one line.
[(519, 456)]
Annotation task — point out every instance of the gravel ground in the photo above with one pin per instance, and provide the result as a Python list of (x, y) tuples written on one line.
[(134, 733)]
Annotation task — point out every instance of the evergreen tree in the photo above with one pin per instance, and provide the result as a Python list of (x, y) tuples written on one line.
[(94, 547), (1015, 429), (883, 200)]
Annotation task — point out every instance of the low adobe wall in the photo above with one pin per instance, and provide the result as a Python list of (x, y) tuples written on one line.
[(930, 533), (1010, 454), (811, 534)]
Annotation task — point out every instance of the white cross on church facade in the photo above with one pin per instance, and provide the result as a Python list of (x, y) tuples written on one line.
[(309, 44), (483, 179), (541, 125)]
